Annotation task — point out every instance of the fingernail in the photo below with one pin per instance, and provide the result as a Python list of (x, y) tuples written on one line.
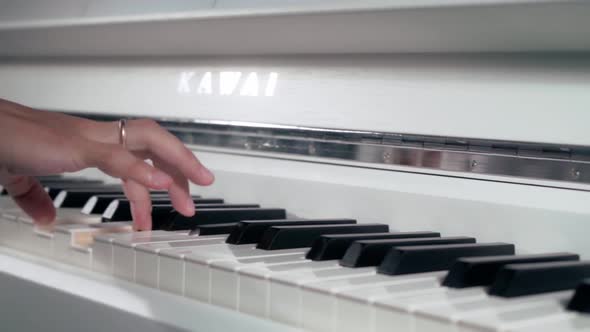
[(190, 206), (160, 180), (206, 175)]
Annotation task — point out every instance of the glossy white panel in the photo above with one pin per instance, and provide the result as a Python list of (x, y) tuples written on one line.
[(28, 10), (332, 27), (518, 98), (114, 8)]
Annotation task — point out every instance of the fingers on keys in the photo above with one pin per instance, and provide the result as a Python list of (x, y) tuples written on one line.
[(173, 166), (147, 135), (178, 190), (28, 193), (141, 204)]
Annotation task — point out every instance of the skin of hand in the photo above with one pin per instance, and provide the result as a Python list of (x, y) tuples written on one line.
[(34, 142)]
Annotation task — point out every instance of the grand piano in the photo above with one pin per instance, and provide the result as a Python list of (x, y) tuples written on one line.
[(380, 165)]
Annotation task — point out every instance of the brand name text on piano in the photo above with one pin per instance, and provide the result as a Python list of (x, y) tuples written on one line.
[(228, 83)]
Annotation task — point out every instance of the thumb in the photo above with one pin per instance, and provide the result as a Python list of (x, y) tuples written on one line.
[(30, 196)]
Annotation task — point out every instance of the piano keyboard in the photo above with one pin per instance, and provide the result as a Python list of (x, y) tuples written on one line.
[(319, 275)]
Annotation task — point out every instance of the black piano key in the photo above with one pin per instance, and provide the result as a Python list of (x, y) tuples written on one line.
[(97, 204), (162, 216), (581, 300), (70, 182), (214, 229), (74, 198), (120, 210), (158, 199), (372, 252), (328, 247), (417, 259), (197, 200), (250, 231), (161, 219), (221, 216), (481, 271), (535, 278), (54, 190), (55, 177), (288, 237)]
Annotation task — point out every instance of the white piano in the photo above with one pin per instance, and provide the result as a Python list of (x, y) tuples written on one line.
[(461, 117)]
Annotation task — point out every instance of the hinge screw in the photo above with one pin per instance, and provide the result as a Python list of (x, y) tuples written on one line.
[(311, 149), (387, 157), (576, 173)]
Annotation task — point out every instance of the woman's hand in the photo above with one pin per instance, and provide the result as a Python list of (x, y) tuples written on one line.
[(35, 142)]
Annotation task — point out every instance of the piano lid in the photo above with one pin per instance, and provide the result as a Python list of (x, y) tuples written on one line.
[(113, 28)]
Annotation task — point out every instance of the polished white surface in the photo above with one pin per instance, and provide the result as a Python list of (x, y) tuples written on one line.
[(523, 98), (31, 10), (106, 28)]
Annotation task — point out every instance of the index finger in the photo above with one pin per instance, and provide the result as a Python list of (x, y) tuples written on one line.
[(140, 203)]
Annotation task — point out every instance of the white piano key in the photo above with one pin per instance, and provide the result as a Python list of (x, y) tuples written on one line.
[(254, 290), (124, 253), (26, 234), (11, 228), (80, 257), (102, 257), (198, 265), (569, 321), (42, 243), (288, 286), (172, 270), (4, 229), (327, 298), (364, 310), (401, 306), (505, 319), (225, 279), (6, 202), (147, 260), (447, 316), (72, 242), (38, 239), (102, 248)]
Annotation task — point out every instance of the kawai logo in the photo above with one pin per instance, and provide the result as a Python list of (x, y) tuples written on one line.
[(228, 83)]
